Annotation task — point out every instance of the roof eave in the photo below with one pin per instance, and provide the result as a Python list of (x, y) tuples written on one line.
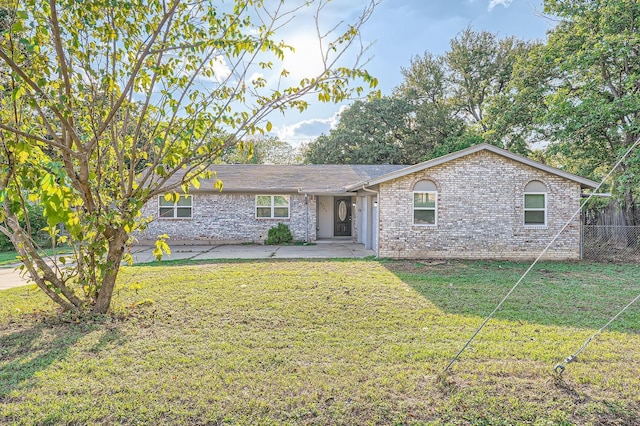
[(329, 192), (244, 191), (309, 191)]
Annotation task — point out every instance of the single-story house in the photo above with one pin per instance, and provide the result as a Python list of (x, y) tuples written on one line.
[(479, 203)]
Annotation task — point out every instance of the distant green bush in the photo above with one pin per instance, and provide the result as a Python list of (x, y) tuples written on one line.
[(37, 222), (280, 234)]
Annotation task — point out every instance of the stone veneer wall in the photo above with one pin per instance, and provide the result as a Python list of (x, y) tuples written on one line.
[(480, 213), (229, 218)]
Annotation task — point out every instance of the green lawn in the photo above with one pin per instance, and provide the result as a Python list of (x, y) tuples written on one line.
[(329, 342), (11, 257), (8, 257)]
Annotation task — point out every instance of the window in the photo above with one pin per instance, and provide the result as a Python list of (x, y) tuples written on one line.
[(181, 209), (272, 206), (425, 203), (535, 204)]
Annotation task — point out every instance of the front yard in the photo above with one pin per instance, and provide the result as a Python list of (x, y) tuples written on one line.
[(329, 342)]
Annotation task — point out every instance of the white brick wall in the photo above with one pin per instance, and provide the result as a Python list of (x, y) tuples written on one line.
[(220, 217), (480, 213)]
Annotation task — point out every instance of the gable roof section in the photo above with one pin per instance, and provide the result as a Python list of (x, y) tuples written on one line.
[(584, 183), (310, 179)]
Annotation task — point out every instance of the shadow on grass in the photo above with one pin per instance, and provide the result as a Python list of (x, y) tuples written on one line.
[(29, 350), (567, 294)]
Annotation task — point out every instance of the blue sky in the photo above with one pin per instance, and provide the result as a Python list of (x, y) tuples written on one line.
[(399, 30)]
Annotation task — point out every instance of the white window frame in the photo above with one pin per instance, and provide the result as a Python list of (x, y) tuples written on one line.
[(538, 209), (175, 208), (434, 208), (272, 206)]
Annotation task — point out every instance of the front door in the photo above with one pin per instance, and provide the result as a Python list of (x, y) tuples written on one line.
[(342, 215)]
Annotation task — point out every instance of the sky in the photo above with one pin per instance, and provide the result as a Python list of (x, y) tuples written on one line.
[(397, 31)]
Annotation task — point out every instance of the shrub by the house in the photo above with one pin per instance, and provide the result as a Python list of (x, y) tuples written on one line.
[(280, 234)]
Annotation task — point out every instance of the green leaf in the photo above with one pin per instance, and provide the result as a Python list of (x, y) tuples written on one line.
[(17, 27)]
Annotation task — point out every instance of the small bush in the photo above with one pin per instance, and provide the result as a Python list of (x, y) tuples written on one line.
[(280, 234)]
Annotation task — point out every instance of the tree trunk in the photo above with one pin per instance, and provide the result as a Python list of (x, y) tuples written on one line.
[(39, 271), (117, 240)]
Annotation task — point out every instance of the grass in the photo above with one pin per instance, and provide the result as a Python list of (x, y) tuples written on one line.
[(349, 342), (580, 294), (8, 257), (11, 257)]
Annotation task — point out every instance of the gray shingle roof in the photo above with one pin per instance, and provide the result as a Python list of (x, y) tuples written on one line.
[(320, 178), (336, 179)]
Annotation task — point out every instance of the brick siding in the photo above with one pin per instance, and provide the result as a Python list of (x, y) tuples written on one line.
[(480, 213), (230, 218)]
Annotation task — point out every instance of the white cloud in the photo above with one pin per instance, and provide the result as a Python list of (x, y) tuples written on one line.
[(303, 131), (216, 65), (220, 69), (306, 130), (494, 3), (306, 60), (255, 76), (311, 33)]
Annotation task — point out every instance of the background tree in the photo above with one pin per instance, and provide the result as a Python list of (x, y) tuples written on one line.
[(582, 90), (369, 132), (479, 68), (512, 113), (110, 104), (445, 103), (437, 123), (262, 150)]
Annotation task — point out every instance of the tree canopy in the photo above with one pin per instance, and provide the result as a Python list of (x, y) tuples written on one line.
[(580, 91), (572, 100), (103, 103), (444, 103), (369, 132), (261, 149)]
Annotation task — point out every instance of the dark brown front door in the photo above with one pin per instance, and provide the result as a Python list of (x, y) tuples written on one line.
[(342, 217)]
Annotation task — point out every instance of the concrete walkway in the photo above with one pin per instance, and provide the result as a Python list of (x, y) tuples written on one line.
[(10, 277)]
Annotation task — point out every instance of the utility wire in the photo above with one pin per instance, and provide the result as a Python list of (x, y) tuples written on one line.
[(553, 240), (560, 367)]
